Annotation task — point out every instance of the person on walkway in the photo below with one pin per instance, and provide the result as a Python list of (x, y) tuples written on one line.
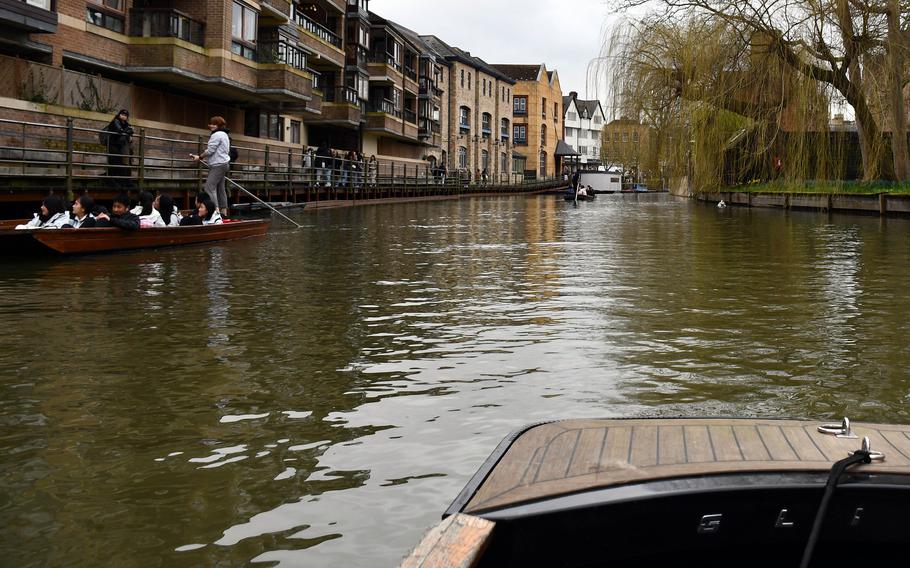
[(116, 137), (83, 209), (575, 179), (324, 165), (372, 171), (485, 177), (218, 153), (119, 216), (53, 215), (443, 172), (148, 215), (168, 210), (309, 158)]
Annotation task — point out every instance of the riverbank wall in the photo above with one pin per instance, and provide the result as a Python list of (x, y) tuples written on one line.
[(883, 204)]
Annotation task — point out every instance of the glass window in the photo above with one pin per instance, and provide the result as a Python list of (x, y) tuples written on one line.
[(295, 132), (543, 164), (543, 108), (520, 105), (484, 160), (464, 117), (572, 116), (243, 30), (543, 135), (462, 157), (503, 163), (104, 20), (44, 4)]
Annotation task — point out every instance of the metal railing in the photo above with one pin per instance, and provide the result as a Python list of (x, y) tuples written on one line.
[(71, 157), (149, 22), (317, 29), (282, 51)]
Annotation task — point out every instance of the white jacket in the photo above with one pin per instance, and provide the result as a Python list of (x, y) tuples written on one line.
[(153, 219), (218, 150), (175, 218), (215, 220), (55, 222)]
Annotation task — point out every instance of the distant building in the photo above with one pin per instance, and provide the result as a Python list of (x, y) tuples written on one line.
[(631, 146), (584, 122), (537, 117)]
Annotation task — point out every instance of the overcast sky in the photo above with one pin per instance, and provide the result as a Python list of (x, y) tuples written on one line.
[(564, 35)]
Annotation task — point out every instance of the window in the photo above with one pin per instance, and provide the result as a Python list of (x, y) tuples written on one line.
[(485, 160), (504, 128), (295, 132), (556, 111), (520, 134), (462, 78), (104, 19), (582, 149), (469, 80), (572, 116), (625, 136), (464, 118), (503, 89), (635, 136), (597, 120), (543, 134), (271, 126), (43, 4), (112, 4), (570, 132), (503, 163), (616, 136), (543, 164), (243, 30), (484, 87), (462, 157), (543, 109), (583, 134), (520, 105), (486, 124)]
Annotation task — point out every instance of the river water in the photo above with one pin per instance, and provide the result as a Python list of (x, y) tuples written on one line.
[(318, 397)]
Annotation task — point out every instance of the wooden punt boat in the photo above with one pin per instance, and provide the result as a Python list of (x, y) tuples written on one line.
[(83, 241), (571, 197), (681, 492)]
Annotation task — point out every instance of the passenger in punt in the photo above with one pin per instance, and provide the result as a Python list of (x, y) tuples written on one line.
[(208, 212), (83, 209), (193, 218), (170, 215), (119, 216), (148, 215), (53, 215)]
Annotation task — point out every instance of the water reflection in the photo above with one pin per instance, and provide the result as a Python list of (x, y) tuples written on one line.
[(318, 397)]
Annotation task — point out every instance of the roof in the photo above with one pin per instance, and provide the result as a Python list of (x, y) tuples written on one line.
[(411, 36), (581, 105), (563, 149), (450, 53), (521, 72)]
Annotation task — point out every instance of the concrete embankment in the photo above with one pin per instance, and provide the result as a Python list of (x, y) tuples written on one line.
[(871, 204)]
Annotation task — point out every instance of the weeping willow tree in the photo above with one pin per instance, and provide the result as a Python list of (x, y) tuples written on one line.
[(740, 90)]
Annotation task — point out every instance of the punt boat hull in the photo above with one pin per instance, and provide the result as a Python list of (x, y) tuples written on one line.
[(100, 240), (700, 492)]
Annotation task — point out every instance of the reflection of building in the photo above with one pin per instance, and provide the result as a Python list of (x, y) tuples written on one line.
[(537, 114), (584, 121), (631, 146)]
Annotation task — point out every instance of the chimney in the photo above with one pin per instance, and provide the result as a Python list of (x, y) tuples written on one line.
[(573, 95)]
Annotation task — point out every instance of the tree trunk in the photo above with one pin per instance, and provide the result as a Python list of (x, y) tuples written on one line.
[(899, 118)]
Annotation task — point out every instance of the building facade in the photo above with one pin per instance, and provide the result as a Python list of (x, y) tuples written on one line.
[(537, 117), (632, 147), (584, 121)]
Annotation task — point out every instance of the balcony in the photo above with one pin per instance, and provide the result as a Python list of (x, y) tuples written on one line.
[(386, 59), (282, 7), (166, 23), (426, 128), (410, 116), (32, 17), (410, 73), (281, 53), (358, 9), (282, 83), (427, 88), (341, 107), (318, 30), (384, 106)]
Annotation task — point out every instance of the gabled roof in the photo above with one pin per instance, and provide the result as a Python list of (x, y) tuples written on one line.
[(450, 53), (411, 36), (592, 107), (521, 72)]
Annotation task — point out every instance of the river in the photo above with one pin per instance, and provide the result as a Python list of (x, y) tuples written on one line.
[(317, 397)]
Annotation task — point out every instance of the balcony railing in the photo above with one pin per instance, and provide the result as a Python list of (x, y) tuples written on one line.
[(166, 23), (384, 106), (410, 73), (282, 52), (344, 95), (385, 59), (410, 116), (317, 29), (464, 126)]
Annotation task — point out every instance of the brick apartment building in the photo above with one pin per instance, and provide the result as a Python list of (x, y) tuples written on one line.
[(537, 111), (281, 72)]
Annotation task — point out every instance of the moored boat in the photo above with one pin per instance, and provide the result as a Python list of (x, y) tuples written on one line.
[(690, 492), (95, 240)]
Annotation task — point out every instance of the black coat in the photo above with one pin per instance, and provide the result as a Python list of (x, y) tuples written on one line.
[(119, 137), (128, 221)]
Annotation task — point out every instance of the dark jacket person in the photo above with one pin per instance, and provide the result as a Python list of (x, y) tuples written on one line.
[(119, 216), (119, 134)]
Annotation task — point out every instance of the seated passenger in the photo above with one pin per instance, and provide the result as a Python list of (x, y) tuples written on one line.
[(208, 212), (193, 218), (82, 213), (582, 192), (170, 215), (119, 216), (53, 215), (148, 215)]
